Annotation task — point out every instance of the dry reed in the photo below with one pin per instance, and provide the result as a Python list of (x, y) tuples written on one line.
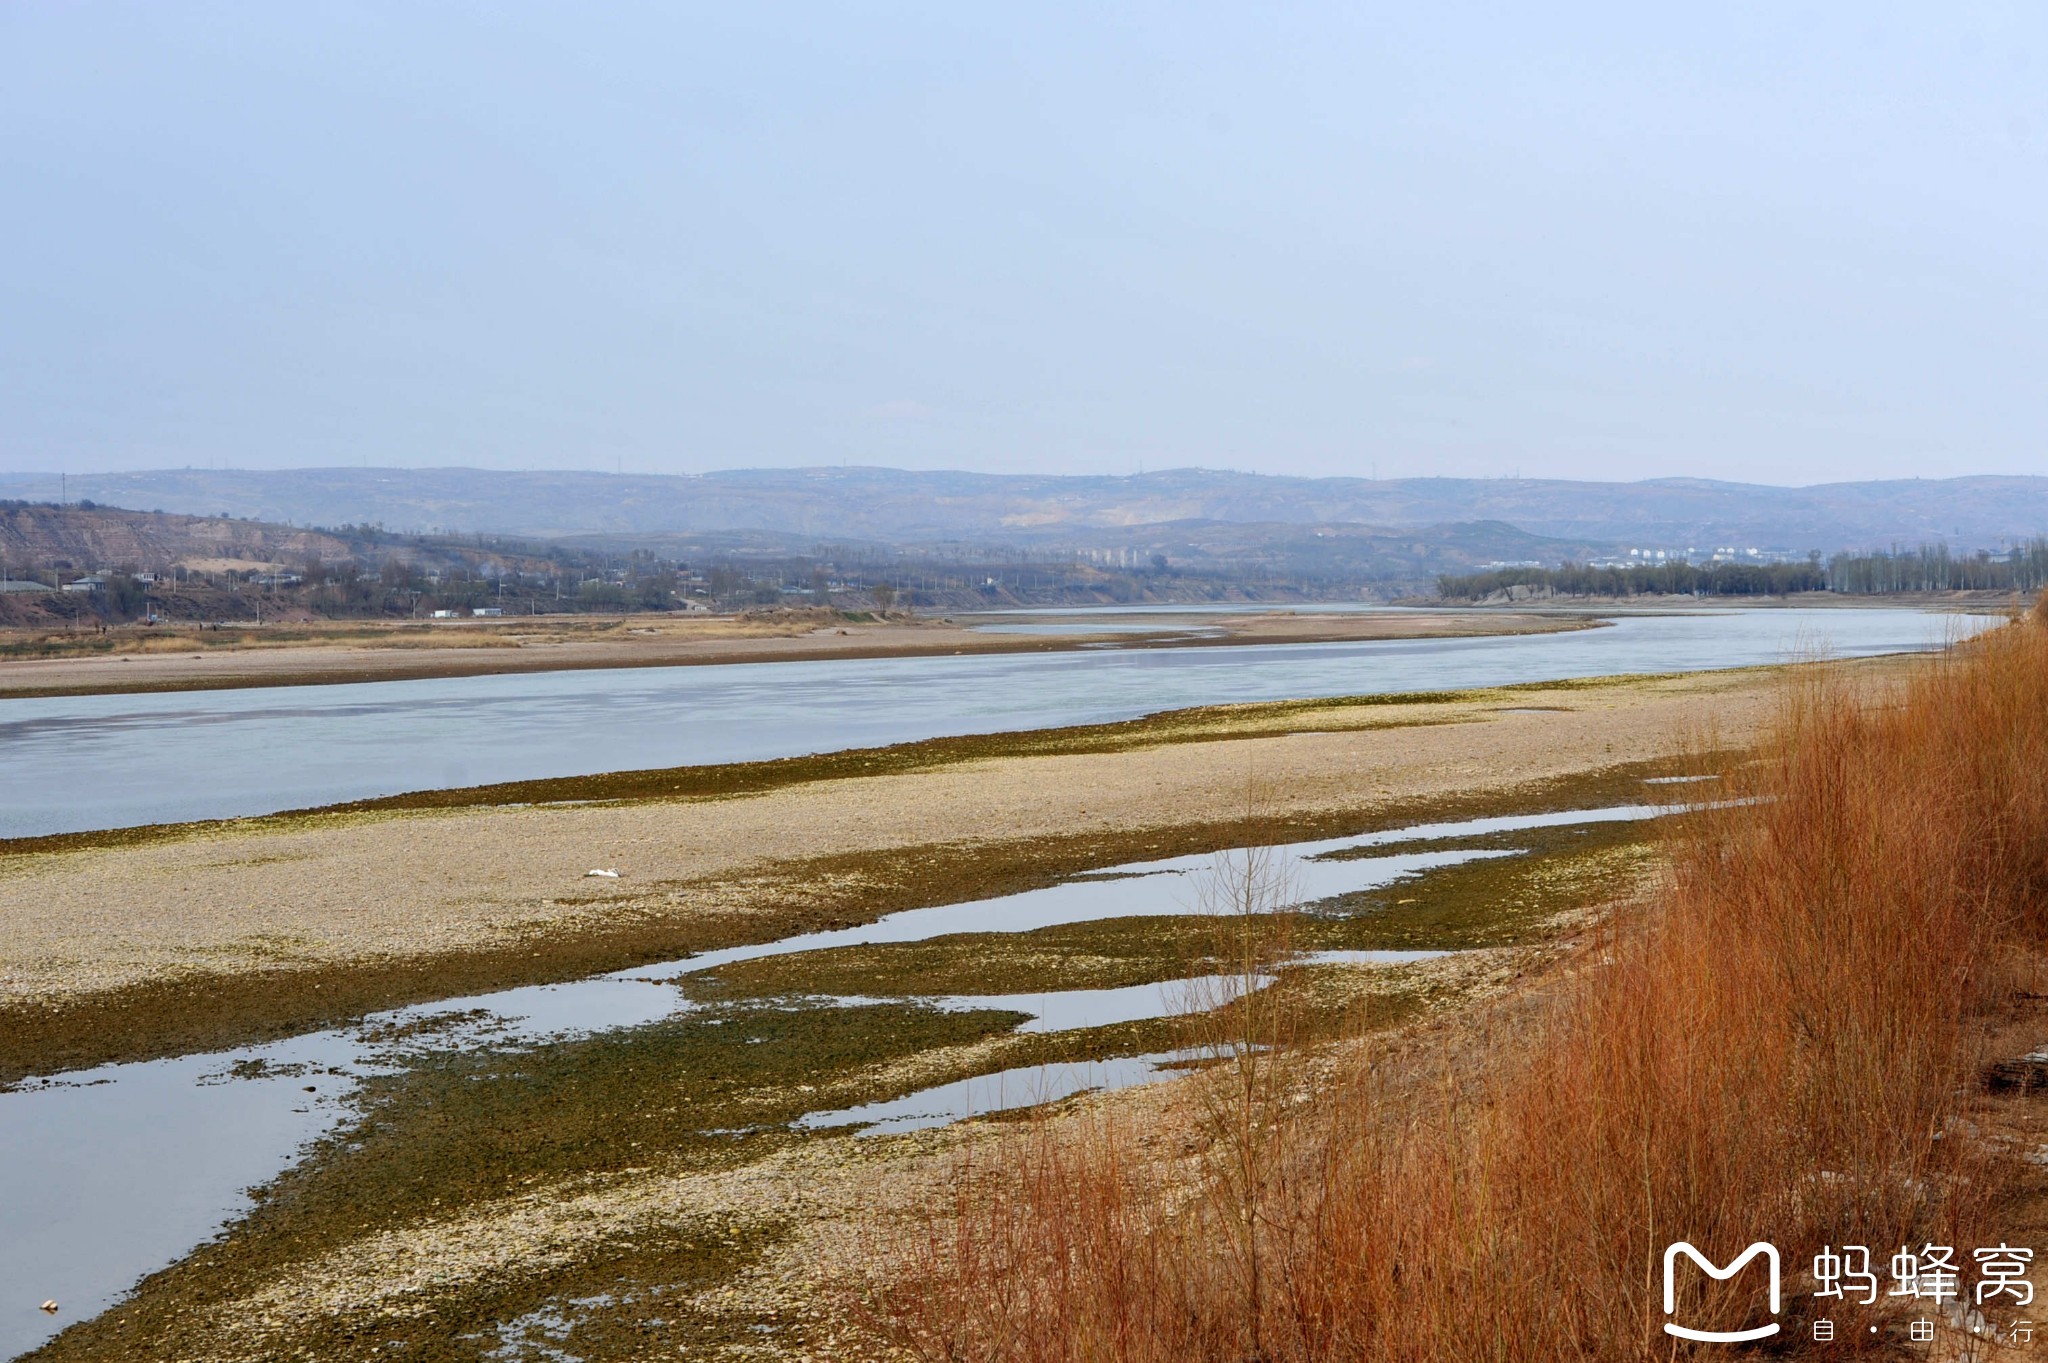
[(1777, 1045)]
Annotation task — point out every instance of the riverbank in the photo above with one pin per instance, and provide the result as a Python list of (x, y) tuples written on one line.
[(1656, 603), (191, 937), (662, 1181), (134, 658), (1822, 1022), (657, 1183)]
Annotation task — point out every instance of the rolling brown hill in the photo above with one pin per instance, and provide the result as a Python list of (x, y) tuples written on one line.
[(87, 538)]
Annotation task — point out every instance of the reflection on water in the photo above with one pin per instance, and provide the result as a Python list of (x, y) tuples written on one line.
[(1072, 1009), (1150, 889), (946, 1103), (123, 1170), (105, 761), (1031, 1085)]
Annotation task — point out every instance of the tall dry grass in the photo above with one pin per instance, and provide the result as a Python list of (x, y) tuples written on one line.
[(1777, 1046)]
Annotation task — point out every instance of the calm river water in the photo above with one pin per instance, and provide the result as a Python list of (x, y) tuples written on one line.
[(89, 762)]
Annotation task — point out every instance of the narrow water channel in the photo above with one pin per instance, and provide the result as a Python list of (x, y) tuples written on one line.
[(85, 1211)]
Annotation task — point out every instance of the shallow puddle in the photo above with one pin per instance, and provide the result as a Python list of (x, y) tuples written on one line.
[(1070, 1010), (116, 1172), (1367, 957), (1300, 873), (87, 1208), (1073, 1009), (1157, 889), (1010, 1089)]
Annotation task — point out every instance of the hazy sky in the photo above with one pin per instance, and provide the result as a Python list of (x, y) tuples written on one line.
[(1778, 242)]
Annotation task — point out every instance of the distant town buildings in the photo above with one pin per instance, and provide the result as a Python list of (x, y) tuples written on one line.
[(1692, 554)]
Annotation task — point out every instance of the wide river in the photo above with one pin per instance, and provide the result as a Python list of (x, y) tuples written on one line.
[(86, 762)]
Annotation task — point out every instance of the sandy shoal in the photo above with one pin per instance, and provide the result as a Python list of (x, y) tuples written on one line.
[(371, 887), (181, 659)]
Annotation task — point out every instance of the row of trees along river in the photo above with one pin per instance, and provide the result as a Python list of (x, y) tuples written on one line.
[(1930, 568)]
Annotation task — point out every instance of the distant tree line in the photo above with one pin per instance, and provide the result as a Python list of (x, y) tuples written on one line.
[(1930, 568), (1650, 579), (1934, 569)]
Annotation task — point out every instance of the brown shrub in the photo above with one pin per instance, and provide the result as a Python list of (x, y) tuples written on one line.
[(1778, 1046)]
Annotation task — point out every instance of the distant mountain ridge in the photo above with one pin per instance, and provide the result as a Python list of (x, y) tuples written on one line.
[(899, 506)]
